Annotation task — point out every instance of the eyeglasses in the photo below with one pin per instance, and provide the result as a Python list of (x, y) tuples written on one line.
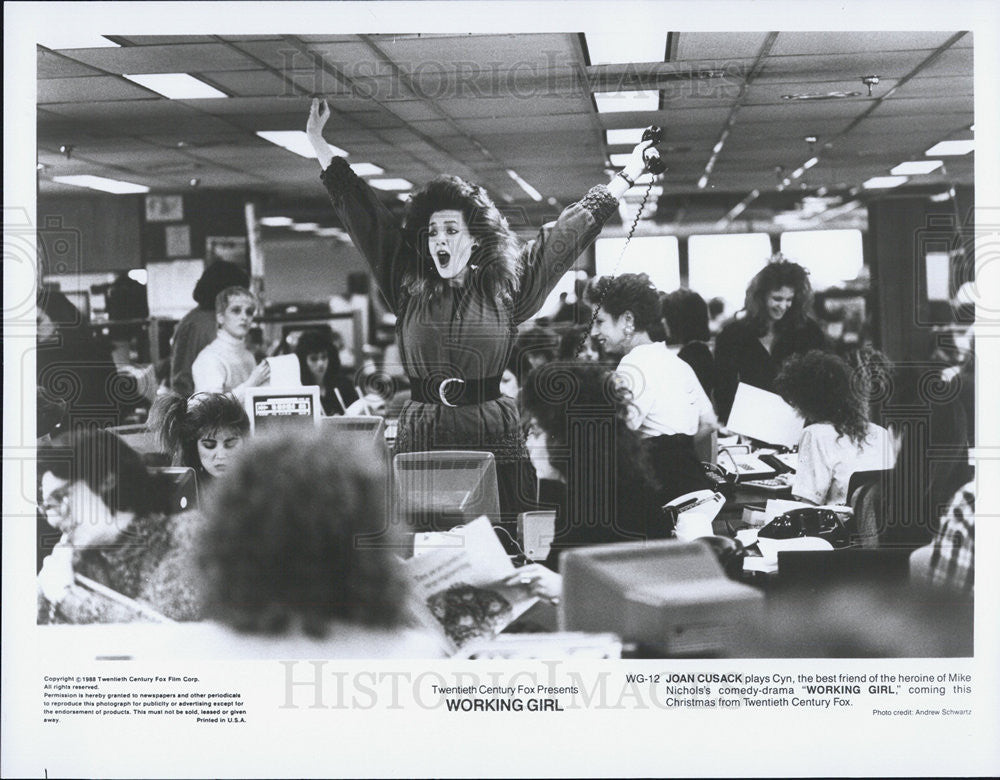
[(57, 503)]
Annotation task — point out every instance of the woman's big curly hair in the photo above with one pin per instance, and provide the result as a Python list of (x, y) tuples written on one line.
[(778, 273), (628, 292), (822, 387), (494, 266), (297, 538), (564, 397), (179, 423)]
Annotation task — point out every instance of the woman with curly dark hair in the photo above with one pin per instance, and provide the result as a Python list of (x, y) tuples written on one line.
[(774, 325), (204, 431), (299, 559), (460, 282), (668, 406), (838, 438), (319, 364), (590, 464)]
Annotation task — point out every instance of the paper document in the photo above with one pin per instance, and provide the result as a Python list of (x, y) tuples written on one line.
[(285, 371), (456, 574), (764, 416)]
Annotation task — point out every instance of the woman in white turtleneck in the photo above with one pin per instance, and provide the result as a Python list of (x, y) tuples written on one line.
[(226, 365)]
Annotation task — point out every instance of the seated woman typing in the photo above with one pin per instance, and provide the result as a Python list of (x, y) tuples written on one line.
[(116, 531), (838, 439), (299, 560)]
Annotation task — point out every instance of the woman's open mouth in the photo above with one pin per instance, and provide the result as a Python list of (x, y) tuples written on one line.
[(443, 258)]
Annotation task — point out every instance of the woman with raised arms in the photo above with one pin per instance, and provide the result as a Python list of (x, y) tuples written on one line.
[(460, 282)]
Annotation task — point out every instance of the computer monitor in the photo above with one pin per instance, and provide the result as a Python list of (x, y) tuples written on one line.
[(670, 597), (365, 425), (183, 487), (277, 408), (437, 490)]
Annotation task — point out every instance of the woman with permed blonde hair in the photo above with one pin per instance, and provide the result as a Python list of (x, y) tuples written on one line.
[(774, 325), (838, 438), (460, 282)]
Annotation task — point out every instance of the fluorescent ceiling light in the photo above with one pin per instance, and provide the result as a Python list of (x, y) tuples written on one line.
[(366, 169), (276, 221), (950, 148), (702, 182), (810, 162), (176, 86), (100, 183), (884, 182), (534, 194), (619, 48), (305, 227), (915, 167), (620, 160), (628, 137), (74, 40), (391, 185), (615, 102), (295, 141), (332, 232)]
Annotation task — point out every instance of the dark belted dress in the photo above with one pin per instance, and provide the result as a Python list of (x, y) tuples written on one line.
[(460, 332)]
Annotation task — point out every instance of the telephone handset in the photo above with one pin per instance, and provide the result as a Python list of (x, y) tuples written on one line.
[(654, 164)]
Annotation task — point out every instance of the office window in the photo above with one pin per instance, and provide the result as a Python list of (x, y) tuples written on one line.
[(654, 255), (832, 256), (721, 266)]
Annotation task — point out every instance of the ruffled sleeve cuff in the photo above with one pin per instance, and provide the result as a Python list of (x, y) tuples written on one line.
[(338, 177), (600, 203)]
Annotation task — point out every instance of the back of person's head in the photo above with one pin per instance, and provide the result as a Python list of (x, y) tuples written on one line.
[(216, 278), (229, 294), (823, 388), (532, 347), (629, 292), (297, 538), (110, 468), (779, 273), (686, 315), (573, 340), (716, 306), (583, 409), (180, 422)]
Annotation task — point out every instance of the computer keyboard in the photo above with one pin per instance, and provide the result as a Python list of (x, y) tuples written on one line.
[(774, 485)]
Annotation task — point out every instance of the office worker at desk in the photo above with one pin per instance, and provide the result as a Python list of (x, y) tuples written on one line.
[(668, 405), (838, 438), (774, 325), (460, 282), (590, 464), (116, 531)]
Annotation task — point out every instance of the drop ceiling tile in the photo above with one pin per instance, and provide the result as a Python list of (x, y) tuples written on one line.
[(816, 44), (90, 89), (192, 58), (721, 46), (54, 66)]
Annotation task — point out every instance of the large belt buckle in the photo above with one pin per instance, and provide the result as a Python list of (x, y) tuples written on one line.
[(444, 386)]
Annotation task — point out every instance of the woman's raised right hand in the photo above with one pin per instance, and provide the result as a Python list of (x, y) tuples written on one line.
[(319, 114)]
